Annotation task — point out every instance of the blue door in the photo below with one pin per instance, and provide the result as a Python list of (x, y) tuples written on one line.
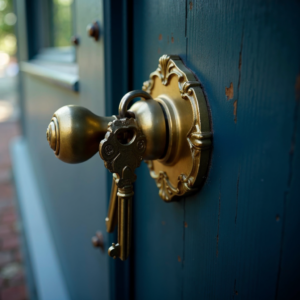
[(237, 237)]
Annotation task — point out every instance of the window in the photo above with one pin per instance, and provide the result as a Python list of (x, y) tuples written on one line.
[(51, 53), (62, 23)]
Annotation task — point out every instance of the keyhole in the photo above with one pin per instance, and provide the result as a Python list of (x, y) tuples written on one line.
[(126, 136)]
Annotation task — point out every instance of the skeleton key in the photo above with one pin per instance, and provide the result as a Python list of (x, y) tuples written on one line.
[(112, 215), (122, 151)]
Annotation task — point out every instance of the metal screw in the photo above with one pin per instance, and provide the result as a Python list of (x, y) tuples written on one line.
[(93, 30), (98, 240), (75, 40)]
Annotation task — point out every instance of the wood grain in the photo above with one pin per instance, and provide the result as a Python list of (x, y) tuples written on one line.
[(240, 239), (158, 226)]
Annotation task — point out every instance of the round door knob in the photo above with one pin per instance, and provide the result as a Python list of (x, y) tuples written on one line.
[(98, 240), (52, 133), (93, 30), (74, 133)]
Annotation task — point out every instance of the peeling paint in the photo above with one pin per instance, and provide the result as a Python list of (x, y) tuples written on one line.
[(239, 82), (235, 110), (229, 92)]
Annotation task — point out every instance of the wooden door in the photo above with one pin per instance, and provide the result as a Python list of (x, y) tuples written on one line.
[(236, 238)]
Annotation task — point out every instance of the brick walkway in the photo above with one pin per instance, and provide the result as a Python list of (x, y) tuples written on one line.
[(12, 277)]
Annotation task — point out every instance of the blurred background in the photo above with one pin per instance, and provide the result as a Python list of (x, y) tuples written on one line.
[(12, 274), (8, 63), (12, 271)]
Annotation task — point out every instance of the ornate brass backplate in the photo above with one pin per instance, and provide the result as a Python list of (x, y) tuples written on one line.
[(183, 168)]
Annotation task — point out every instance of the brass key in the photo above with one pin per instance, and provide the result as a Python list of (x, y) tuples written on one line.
[(122, 151), (112, 215)]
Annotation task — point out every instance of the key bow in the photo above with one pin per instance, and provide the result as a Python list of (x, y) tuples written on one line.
[(122, 149)]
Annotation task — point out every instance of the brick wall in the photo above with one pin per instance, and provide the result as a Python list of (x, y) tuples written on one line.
[(12, 276)]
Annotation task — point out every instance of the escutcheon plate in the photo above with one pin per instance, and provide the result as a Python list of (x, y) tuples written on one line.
[(184, 166)]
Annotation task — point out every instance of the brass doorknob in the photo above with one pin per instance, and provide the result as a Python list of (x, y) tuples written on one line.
[(74, 133), (173, 117)]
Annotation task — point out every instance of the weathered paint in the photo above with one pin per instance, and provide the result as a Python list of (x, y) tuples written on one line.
[(240, 241), (229, 91), (236, 237)]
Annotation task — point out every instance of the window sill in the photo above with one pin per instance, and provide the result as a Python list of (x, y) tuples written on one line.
[(62, 74)]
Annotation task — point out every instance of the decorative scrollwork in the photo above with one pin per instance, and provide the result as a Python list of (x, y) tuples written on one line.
[(198, 140), (166, 190)]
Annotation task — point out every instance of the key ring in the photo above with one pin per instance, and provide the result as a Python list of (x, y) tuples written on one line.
[(127, 98)]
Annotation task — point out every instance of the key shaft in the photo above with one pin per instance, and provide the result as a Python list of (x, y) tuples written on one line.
[(125, 220), (112, 216)]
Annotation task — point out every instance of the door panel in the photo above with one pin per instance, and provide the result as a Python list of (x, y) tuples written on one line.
[(90, 55), (248, 178), (234, 237), (158, 227), (74, 196)]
